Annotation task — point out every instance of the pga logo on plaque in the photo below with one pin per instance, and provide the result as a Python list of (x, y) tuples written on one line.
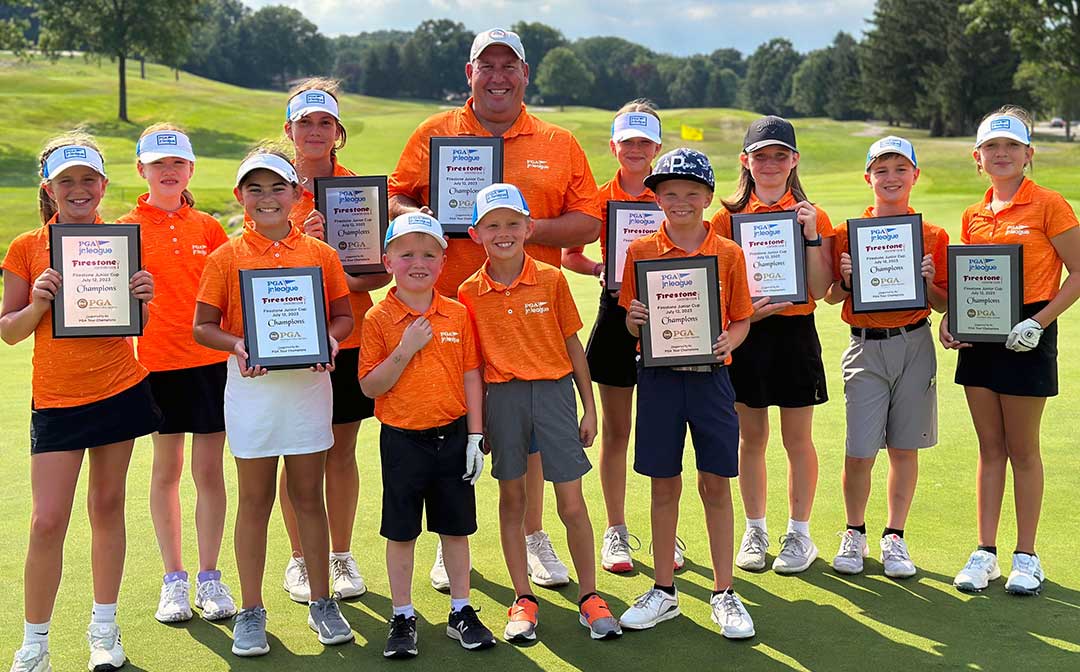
[(357, 215), (886, 263), (986, 291), (459, 168)]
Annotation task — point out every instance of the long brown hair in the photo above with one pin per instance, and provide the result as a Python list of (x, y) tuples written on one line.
[(185, 195), (738, 201), (78, 137), (332, 87)]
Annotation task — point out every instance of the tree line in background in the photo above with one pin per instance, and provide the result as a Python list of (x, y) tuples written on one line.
[(936, 64)]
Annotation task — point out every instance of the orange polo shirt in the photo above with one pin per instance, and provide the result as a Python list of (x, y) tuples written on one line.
[(431, 389), (721, 224), (613, 191), (220, 283), (1031, 218), (935, 243), (175, 246), (541, 159), (522, 327), (734, 300), (360, 301), (69, 371)]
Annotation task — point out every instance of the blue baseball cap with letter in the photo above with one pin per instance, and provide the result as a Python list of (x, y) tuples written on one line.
[(414, 222), (682, 164), (498, 195)]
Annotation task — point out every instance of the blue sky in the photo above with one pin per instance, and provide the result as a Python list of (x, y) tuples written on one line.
[(694, 26)]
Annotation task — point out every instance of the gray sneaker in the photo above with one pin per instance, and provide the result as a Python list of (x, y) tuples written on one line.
[(755, 542), (249, 633), (324, 617), (797, 553)]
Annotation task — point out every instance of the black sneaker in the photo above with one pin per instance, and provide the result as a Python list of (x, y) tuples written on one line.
[(401, 643), (466, 628)]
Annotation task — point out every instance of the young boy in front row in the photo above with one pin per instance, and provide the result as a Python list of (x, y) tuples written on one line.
[(670, 398), (527, 326), (890, 372), (419, 361)]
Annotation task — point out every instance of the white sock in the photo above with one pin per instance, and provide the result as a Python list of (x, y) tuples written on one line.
[(103, 613), (758, 523), (407, 611), (457, 605), (36, 633), (341, 556), (802, 527)]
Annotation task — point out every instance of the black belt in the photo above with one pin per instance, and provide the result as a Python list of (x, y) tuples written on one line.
[(433, 432), (880, 334)]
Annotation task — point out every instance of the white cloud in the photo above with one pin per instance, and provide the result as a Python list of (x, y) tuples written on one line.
[(694, 27)]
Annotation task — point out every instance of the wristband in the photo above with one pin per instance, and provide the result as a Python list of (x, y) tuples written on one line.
[(813, 243), (597, 268), (845, 287)]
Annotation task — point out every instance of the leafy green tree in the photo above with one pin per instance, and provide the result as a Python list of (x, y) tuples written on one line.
[(767, 87), (434, 58), (562, 77), (18, 26), (117, 29), (539, 39), (844, 100), (612, 62), (810, 84), (722, 88), (691, 81)]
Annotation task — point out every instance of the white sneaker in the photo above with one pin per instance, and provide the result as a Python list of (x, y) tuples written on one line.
[(174, 605), (980, 570), (755, 542), (106, 653), (895, 557), (440, 580), (729, 613), (853, 548), (652, 607), (680, 553), (296, 581), (797, 553), (215, 600), (1026, 577), (615, 552), (31, 658), (345, 578), (544, 566)]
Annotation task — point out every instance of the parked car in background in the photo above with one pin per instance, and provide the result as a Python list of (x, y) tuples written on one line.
[(1057, 122)]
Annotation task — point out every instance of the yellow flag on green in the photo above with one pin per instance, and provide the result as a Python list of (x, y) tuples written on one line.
[(692, 133)]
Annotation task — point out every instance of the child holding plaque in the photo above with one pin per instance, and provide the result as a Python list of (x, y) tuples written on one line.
[(611, 350), (313, 126), (889, 370), (527, 324), (89, 395), (285, 413), (187, 379), (701, 397), (422, 366), (780, 362), (1007, 384)]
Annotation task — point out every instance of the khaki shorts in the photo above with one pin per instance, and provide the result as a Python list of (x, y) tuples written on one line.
[(890, 392)]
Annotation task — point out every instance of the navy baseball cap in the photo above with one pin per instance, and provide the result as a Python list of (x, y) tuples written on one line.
[(682, 164), (770, 130)]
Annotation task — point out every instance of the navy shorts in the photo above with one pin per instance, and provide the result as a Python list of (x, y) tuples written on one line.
[(667, 402)]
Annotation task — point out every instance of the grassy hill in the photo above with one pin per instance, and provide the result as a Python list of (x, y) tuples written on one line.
[(816, 621)]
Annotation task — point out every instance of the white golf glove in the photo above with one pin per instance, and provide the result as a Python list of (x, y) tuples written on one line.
[(1024, 336), (474, 459)]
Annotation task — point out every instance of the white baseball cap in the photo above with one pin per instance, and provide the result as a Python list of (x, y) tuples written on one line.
[(635, 125), (68, 156), (891, 145), (496, 36), (163, 144), (312, 100), (414, 222), (1002, 126), (498, 195), (271, 162)]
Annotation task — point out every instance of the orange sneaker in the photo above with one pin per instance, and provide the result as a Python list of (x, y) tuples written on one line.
[(522, 624), (595, 615)]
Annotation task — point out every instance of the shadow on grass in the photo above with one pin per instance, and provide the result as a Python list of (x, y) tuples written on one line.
[(18, 167)]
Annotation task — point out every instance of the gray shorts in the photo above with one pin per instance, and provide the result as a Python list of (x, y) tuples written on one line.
[(890, 392), (519, 413)]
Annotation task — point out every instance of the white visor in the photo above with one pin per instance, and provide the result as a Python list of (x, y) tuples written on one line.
[(635, 125), (67, 156), (1002, 126), (162, 145), (309, 101), (270, 162)]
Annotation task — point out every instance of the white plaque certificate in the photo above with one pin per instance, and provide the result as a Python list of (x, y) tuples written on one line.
[(626, 222), (986, 291), (357, 217), (95, 262), (284, 317), (459, 168), (683, 298), (886, 263), (775, 253)]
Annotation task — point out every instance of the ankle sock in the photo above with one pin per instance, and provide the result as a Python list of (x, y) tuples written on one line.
[(802, 527), (529, 597), (861, 529), (670, 590), (341, 556), (209, 575), (1025, 553), (992, 550), (36, 633), (581, 600), (103, 613), (893, 530), (175, 576), (722, 591), (758, 523), (457, 605), (407, 611)]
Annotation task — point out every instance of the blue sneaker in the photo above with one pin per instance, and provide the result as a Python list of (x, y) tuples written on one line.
[(249, 633)]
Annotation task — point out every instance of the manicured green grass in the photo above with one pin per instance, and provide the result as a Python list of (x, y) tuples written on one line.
[(815, 621)]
